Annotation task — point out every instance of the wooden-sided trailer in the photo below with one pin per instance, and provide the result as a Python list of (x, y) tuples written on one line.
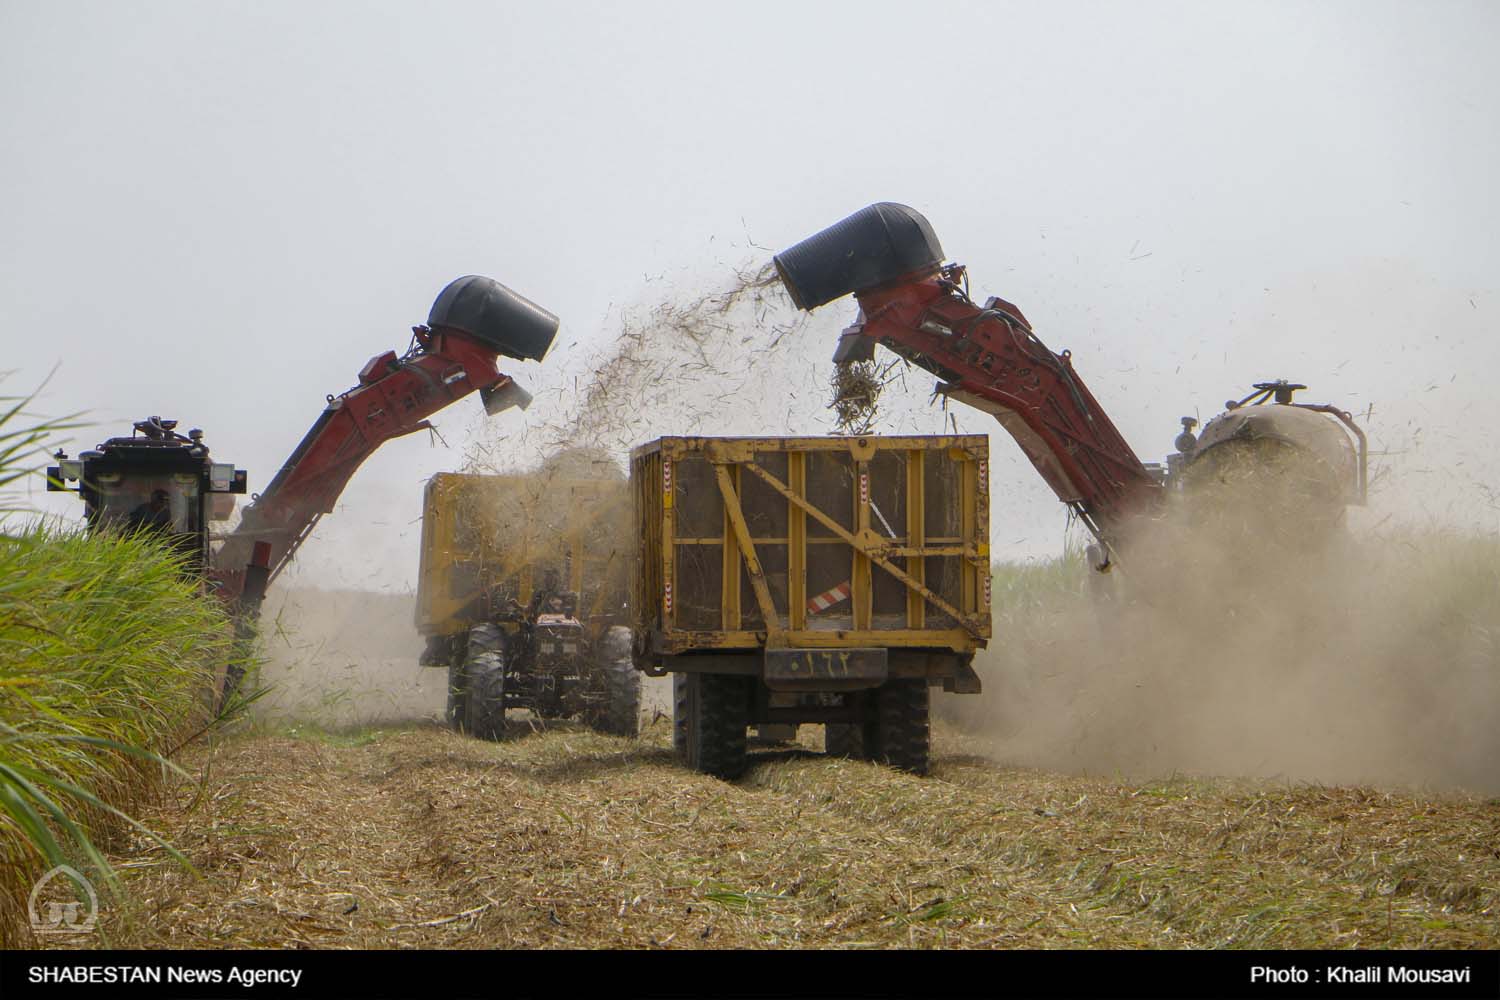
[(810, 580), (522, 595)]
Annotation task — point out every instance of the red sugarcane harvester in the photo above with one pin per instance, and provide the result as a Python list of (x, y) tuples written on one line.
[(917, 305), (161, 481)]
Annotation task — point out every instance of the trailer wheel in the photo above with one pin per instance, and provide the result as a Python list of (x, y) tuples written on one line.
[(902, 732), (484, 682), (621, 714), (680, 710), (718, 710), (845, 739), (855, 740)]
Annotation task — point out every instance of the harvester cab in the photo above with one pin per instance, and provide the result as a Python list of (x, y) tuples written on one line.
[(1269, 413), (155, 480), (1269, 469)]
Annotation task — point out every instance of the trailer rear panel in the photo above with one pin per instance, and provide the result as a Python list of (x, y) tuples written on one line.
[(811, 542)]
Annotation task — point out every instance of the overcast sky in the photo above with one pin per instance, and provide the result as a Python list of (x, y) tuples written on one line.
[(217, 212)]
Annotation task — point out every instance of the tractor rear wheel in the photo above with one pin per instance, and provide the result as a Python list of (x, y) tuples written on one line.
[(484, 682), (718, 710), (902, 732), (454, 709), (621, 713)]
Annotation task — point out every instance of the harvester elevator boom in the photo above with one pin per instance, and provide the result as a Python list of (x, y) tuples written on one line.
[(914, 304), (473, 321)]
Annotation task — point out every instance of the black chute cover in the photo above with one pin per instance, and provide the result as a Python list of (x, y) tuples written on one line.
[(495, 316), (870, 247)]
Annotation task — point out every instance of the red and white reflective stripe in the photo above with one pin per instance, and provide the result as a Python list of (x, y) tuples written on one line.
[(667, 595), (864, 487), (829, 598)]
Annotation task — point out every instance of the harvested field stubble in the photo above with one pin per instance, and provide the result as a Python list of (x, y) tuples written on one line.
[(420, 838)]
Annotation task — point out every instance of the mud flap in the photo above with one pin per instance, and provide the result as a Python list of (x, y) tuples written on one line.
[(963, 681)]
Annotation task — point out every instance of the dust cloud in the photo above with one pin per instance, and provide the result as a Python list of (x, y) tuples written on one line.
[(344, 658), (1246, 645)]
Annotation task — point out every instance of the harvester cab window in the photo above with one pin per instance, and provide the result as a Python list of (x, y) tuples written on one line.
[(122, 499)]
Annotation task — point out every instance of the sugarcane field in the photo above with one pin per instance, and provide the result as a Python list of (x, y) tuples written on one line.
[(1089, 559)]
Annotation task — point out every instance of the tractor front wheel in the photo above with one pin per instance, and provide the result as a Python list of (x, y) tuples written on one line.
[(856, 740), (455, 708)]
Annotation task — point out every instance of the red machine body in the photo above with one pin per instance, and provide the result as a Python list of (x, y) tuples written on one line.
[(473, 321), (911, 302), (394, 397), (918, 306), (163, 482), (989, 357)]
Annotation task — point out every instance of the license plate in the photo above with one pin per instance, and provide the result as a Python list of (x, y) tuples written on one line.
[(825, 669)]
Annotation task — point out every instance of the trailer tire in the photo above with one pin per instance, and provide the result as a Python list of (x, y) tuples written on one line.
[(484, 682), (621, 715), (680, 710), (718, 712), (902, 729), (856, 740), (845, 739)]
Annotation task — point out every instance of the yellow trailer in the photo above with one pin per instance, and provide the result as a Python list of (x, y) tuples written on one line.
[(507, 532), (521, 594), (810, 580)]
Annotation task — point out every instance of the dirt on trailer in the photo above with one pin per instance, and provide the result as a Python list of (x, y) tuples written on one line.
[(418, 837)]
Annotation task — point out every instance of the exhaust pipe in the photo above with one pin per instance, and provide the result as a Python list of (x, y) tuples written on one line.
[(503, 320), (875, 245)]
